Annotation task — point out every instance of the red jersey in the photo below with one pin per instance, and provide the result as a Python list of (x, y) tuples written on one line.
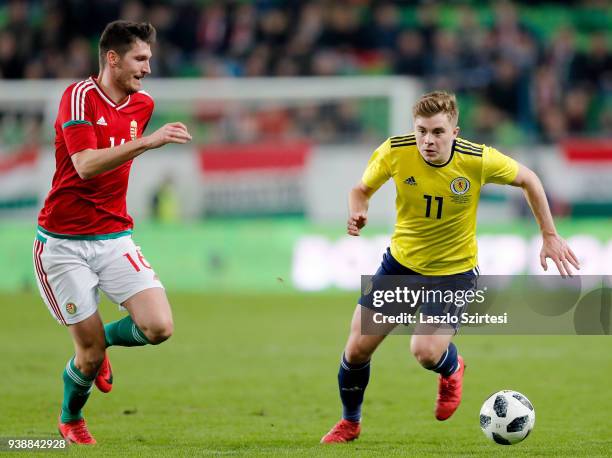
[(89, 119)]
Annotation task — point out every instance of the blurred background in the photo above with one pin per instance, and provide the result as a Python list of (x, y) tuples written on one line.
[(286, 101)]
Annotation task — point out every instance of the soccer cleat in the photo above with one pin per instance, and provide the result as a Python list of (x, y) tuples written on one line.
[(449, 392), (75, 432), (104, 379), (343, 431)]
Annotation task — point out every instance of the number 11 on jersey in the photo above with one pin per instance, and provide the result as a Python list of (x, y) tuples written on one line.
[(439, 200)]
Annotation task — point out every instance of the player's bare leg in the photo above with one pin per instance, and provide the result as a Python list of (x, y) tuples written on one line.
[(354, 375), (149, 322), (428, 343), (152, 314), (88, 337), (90, 347), (433, 349), (360, 348)]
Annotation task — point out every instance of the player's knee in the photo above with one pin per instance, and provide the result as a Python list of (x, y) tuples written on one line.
[(427, 355), (356, 354), (159, 332), (89, 362)]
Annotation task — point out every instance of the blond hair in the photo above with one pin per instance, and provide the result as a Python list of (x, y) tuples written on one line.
[(432, 103)]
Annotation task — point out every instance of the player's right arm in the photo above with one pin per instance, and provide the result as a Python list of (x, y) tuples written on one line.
[(76, 119), (375, 175), (359, 199), (91, 162)]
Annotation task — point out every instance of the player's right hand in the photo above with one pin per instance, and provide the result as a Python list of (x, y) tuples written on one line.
[(355, 222), (174, 132)]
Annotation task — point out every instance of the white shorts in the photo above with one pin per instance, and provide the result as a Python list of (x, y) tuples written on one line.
[(70, 274)]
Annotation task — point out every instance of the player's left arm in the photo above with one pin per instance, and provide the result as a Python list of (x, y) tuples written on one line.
[(553, 245)]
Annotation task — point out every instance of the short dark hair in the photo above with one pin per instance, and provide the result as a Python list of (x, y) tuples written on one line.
[(120, 35)]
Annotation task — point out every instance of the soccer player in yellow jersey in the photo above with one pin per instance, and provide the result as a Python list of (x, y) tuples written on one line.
[(438, 177)]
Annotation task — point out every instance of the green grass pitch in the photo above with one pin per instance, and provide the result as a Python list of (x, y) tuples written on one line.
[(256, 375)]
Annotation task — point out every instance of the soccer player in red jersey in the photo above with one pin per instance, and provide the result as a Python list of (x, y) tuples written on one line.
[(83, 242)]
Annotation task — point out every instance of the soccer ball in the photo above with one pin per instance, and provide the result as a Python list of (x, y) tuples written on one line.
[(507, 417)]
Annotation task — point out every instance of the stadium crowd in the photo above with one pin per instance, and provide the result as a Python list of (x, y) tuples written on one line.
[(521, 71)]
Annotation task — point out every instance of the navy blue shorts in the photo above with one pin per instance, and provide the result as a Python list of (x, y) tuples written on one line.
[(439, 288)]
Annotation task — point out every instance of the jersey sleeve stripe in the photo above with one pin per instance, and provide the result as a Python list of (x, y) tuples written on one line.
[(78, 104), (467, 148), (402, 138), (468, 152), (82, 112), (403, 141), (468, 143), (75, 122), (73, 97), (395, 145), (81, 102)]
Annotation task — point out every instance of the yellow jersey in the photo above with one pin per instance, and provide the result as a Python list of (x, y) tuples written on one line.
[(435, 229)]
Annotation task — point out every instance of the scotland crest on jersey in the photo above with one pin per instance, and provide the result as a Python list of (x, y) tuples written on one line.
[(460, 186)]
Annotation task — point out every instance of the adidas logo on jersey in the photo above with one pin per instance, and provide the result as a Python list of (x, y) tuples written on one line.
[(101, 121), (411, 181)]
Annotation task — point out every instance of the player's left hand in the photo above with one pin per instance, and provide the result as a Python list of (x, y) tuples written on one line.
[(557, 249)]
